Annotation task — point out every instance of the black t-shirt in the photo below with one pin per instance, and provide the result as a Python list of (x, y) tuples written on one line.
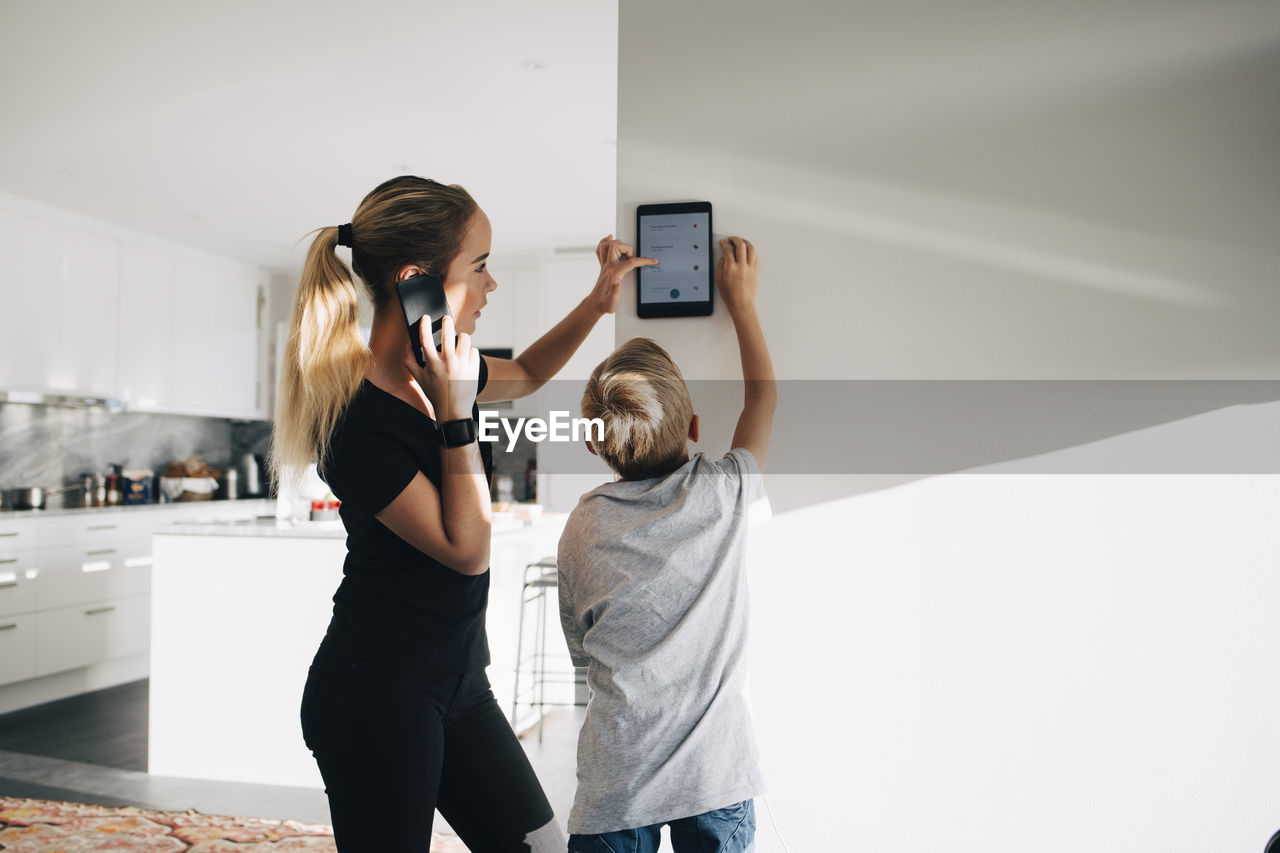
[(397, 603)]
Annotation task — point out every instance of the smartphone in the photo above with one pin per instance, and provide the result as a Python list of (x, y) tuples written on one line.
[(422, 296)]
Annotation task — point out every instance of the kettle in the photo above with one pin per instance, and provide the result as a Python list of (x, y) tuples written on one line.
[(251, 473)]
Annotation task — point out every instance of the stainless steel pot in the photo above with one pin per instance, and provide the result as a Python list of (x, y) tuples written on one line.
[(33, 497)]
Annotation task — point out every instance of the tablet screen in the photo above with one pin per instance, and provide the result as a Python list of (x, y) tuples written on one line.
[(679, 236)]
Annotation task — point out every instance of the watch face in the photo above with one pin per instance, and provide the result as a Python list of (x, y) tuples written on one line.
[(458, 433)]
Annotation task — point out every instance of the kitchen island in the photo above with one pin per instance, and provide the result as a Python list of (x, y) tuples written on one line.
[(74, 594), (237, 611)]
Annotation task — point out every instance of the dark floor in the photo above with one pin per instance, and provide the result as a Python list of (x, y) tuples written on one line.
[(105, 727), (92, 748)]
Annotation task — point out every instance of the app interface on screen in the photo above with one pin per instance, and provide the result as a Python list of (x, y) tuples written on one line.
[(679, 241)]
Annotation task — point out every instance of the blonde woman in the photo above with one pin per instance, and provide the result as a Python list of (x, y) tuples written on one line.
[(397, 709)]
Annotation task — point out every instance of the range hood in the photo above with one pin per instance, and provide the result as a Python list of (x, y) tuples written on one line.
[(66, 401)]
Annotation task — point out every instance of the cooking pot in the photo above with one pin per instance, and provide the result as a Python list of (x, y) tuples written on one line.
[(33, 497)]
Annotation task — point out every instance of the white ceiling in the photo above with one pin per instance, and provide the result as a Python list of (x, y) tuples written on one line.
[(238, 126)]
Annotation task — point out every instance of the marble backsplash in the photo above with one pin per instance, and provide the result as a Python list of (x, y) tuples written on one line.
[(49, 445)]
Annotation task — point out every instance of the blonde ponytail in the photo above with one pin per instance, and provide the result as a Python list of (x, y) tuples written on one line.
[(324, 359)]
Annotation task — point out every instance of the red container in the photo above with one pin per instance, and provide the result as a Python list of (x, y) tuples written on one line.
[(325, 510)]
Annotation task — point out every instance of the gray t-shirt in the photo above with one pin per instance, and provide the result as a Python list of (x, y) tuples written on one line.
[(653, 601)]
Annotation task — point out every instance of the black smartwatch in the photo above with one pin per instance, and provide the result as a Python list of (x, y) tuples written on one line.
[(458, 433)]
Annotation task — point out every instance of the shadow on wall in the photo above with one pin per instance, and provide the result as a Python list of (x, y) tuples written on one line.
[(835, 438), (1016, 428)]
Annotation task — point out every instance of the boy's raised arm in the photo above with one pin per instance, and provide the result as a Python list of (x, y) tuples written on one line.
[(736, 281)]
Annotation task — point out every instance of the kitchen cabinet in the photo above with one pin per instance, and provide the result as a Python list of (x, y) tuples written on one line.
[(214, 348), (145, 343), (93, 572), (29, 321), (565, 281), (75, 587), (59, 323), (18, 572), (16, 533), (95, 312), (17, 648), (189, 335), (77, 636), (516, 293), (85, 362), (532, 298), (93, 580)]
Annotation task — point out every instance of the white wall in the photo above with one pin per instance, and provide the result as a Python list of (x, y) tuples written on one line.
[(988, 661), (1021, 663)]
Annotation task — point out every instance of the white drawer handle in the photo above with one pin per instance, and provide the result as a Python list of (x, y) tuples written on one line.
[(8, 584), (97, 610), (99, 551), (103, 526), (8, 533), (9, 627), (8, 561)]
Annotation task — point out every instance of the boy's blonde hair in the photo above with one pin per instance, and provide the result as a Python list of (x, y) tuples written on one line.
[(640, 395)]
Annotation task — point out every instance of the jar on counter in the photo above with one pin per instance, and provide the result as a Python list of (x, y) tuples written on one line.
[(135, 486), (326, 510), (87, 490), (504, 489), (113, 486)]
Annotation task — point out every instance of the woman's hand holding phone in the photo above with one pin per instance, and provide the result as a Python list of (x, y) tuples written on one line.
[(451, 376)]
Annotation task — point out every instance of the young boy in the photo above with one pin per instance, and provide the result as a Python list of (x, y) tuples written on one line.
[(653, 600)]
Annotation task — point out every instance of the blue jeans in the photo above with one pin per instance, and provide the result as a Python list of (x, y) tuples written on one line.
[(727, 830)]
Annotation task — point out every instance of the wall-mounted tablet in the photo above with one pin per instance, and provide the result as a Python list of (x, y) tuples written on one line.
[(679, 236)]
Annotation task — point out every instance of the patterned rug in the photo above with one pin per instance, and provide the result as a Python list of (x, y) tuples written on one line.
[(45, 826)]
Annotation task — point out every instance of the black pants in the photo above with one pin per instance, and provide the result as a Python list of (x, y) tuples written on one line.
[(394, 743)]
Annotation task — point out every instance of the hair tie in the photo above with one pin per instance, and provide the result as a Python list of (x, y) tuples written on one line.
[(344, 236)]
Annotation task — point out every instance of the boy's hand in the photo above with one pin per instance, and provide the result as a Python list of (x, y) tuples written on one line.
[(736, 274)]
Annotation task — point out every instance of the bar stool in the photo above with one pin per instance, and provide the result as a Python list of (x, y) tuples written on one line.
[(540, 582)]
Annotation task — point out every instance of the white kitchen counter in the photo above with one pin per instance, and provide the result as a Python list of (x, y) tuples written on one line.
[(259, 528), (273, 528), (237, 611), (194, 510)]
